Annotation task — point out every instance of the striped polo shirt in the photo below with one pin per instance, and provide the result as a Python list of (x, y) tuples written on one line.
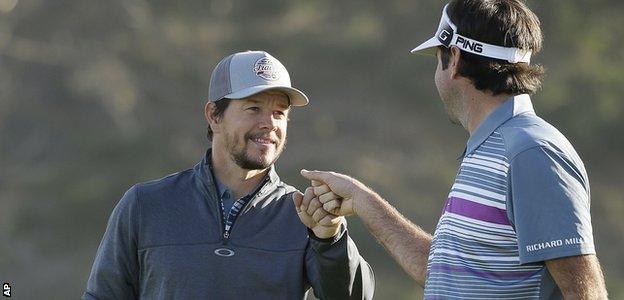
[(521, 197)]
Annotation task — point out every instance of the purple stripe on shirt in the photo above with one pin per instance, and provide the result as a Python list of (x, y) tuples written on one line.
[(516, 275), (477, 211)]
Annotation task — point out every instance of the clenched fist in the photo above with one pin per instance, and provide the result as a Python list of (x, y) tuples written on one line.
[(312, 214), (336, 191)]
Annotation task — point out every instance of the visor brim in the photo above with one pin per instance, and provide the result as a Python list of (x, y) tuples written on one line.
[(429, 47)]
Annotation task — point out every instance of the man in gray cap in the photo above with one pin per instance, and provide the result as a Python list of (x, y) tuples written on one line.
[(228, 228)]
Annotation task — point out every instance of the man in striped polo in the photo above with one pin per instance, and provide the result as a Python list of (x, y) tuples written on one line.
[(516, 224)]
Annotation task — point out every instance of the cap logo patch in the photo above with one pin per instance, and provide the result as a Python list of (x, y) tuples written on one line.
[(267, 69), (445, 34)]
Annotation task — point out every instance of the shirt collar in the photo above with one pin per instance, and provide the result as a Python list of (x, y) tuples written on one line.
[(222, 188), (512, 107)]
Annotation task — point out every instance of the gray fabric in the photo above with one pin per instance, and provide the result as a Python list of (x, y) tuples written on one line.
[(247, 71), (244, 74), (549, 196), (161, 238), (220, 84), (550, 199)]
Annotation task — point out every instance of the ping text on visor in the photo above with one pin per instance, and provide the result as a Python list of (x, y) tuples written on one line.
[(447, 36)]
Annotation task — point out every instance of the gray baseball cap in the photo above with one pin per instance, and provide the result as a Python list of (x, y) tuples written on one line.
[(244, 74)]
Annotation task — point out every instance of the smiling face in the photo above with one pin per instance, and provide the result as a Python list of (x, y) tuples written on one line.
[(253, 130)]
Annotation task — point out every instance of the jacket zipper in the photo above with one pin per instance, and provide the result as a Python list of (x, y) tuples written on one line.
[(220, 222), (226, 235)]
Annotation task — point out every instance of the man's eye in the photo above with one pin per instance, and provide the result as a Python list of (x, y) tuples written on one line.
[(280, 114), (254, 108)]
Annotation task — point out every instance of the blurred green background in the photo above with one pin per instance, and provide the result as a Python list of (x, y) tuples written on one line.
[(98, 95)]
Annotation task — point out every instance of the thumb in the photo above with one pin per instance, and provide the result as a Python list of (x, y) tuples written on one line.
[(297, 199)]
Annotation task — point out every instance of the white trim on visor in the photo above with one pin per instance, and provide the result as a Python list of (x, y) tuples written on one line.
[(447, 36)]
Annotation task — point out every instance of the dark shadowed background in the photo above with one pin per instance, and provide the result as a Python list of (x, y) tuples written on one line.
[(98, 95)]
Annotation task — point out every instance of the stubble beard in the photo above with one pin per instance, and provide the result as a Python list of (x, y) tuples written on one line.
[(239, 154)]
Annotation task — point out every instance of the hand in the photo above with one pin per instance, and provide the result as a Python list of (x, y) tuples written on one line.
[(336, 192), (313, 216)]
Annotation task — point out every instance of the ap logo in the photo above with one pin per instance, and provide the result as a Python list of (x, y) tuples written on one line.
[(6, 289)]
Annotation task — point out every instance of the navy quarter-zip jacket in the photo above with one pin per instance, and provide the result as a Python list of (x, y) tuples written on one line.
[(164, 240)]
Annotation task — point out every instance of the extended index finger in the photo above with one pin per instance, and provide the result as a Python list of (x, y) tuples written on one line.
[(314, 175)]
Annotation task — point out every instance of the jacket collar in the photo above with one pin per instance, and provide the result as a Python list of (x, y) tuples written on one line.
[(513, 106), (208, 183)]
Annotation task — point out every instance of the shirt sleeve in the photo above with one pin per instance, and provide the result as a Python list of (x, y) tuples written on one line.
[(336, 270), (114, 274), (549, 205)]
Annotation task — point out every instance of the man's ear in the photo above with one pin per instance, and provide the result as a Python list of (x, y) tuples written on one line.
[(454, 62), (213, 122)]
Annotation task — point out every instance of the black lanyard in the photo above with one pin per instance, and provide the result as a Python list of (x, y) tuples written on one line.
[(237, 207)]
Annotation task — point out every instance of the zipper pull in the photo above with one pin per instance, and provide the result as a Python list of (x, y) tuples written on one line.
[(226, 235)]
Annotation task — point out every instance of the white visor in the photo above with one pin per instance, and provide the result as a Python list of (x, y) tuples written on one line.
[(447, 36)]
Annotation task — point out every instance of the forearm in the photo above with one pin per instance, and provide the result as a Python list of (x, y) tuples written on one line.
[(578, 277), (407, 243)]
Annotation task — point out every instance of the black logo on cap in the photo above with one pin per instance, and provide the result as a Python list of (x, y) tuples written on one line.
[(445, 35)]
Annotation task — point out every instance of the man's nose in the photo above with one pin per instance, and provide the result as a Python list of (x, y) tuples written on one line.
[(268, 121)]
